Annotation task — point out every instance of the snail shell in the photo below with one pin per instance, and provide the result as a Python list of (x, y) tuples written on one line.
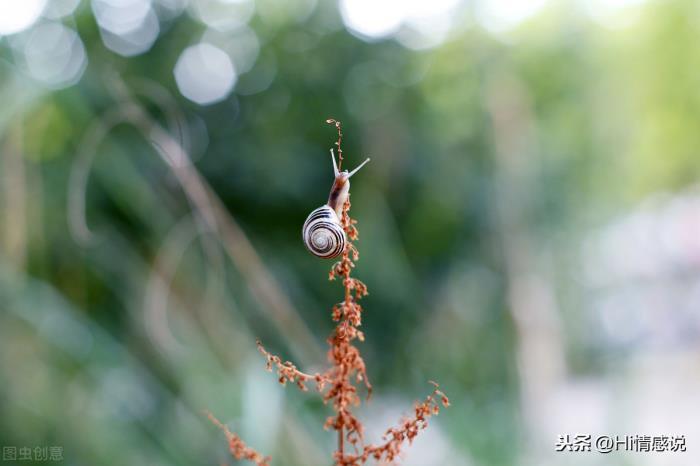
[(323, 235)]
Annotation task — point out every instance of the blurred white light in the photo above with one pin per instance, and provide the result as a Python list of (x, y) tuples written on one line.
[(372, 19), (57, 9), (136, 41), (19, 15), (241, 45), (427, 24), (417, 24), (120, 16), (204, 74), (613, 13), (168, 9), (55, 55), (423, 9), (223, 15), (425, 34), (501, 15)]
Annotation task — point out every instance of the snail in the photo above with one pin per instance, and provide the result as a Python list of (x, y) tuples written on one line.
[(322, 232)]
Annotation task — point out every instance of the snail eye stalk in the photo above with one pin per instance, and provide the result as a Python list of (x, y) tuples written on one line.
[(358, 168)]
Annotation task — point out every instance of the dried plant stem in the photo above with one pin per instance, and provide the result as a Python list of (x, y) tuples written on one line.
[(338, 126), (288, 372), (408, 429), (347, 363), (339, 384), (237, 447)]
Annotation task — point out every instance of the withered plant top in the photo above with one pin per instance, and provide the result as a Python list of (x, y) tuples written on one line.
[(339, 383)]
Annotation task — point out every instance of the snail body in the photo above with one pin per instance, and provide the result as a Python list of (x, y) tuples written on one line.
[(322, 232)]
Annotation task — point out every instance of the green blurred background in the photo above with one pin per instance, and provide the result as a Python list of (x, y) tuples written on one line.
[(529, 223)]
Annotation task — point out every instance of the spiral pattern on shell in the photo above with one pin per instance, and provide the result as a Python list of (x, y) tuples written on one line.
[(323, 235)]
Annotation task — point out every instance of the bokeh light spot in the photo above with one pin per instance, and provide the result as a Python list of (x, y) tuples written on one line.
[(501, 15), (204, 74), (416, 24), (120, 16), (55, 55), (241, 45), (18, 16), (614, 13), (57, 9), (223, 15), (136, 41), (372, 19)]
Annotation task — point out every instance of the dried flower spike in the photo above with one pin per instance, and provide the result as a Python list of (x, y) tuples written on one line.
[(237, 447), (339, 384)]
